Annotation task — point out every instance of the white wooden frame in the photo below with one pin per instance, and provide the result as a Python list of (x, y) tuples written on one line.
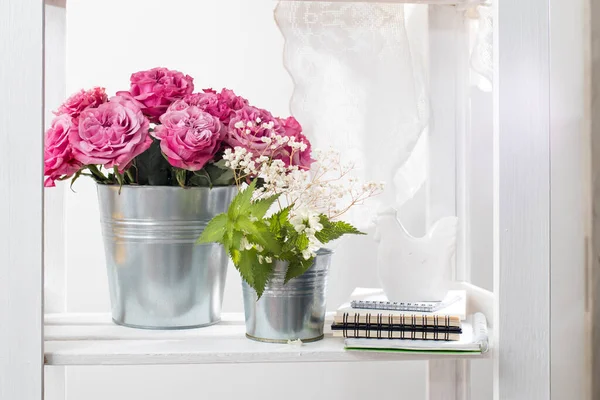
[(537, 163), (522, 196), (21, 200), (541, 189)]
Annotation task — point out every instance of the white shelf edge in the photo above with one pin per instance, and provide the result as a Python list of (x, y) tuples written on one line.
[(468, 3), (93, 339)]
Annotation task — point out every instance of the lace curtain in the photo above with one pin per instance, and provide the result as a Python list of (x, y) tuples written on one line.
[(360, 84)]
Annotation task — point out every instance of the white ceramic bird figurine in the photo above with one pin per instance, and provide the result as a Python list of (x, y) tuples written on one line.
[(415, 269)]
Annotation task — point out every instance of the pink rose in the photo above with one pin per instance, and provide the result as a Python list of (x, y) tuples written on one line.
[(157, 89), (249, 126), (208, 102), (58, 155), (189, 137), (221, 105), (299, 157), (232, 101), (111, 135), (82, 100)]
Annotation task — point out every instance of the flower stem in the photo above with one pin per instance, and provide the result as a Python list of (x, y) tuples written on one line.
[(99, 176), (180, 175), (129, 175)]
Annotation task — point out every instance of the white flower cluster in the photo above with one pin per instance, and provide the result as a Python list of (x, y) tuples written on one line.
[(251, 126), (309, 223), (327, 189), (277, 141)]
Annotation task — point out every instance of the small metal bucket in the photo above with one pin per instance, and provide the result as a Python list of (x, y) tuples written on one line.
[(158, 277), (292, 311)]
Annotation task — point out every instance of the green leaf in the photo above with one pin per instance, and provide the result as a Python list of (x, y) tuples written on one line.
[(262, 274), (215, 230), (242, 202), (245, 265), (259, 208), (296, 242), (334, 230), (252, 271), (219, 174), (235, 256), (199, 179), (152, 168), (279, 220), (298, 267), (258, 233)]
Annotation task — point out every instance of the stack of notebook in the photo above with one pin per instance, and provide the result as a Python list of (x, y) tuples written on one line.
[(370, 322)]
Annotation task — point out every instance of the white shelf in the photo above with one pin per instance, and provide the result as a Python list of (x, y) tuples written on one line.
[(433, 2), (63, 3), (93, 339)]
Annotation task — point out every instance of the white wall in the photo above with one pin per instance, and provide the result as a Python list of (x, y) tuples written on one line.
[(106, 41)]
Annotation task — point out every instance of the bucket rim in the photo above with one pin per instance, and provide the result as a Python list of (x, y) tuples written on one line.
[(161, 187)]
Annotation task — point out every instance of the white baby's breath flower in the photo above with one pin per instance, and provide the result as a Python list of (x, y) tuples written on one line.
[(261, 259), (268, 259)]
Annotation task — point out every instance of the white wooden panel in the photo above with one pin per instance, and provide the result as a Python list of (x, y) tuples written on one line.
[(21, 133), (569, 341), (593, 177), (55, 383), (91, 339), (448, 380), (522, 198)]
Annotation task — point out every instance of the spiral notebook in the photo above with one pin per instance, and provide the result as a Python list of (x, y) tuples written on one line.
[(474, 339), (448, 316), (428, 306)]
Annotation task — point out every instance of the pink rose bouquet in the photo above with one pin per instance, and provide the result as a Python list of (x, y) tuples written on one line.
[(159, 132)]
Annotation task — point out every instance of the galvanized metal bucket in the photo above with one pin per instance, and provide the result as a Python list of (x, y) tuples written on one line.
[(291, 311), (158, 277)]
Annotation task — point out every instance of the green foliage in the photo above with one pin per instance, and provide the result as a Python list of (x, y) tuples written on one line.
[(335, 230), (219, 174), (244, 219), (259, 208), (278, 222), (215, 230), (271, 238), (152, 168), (241, 203)]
